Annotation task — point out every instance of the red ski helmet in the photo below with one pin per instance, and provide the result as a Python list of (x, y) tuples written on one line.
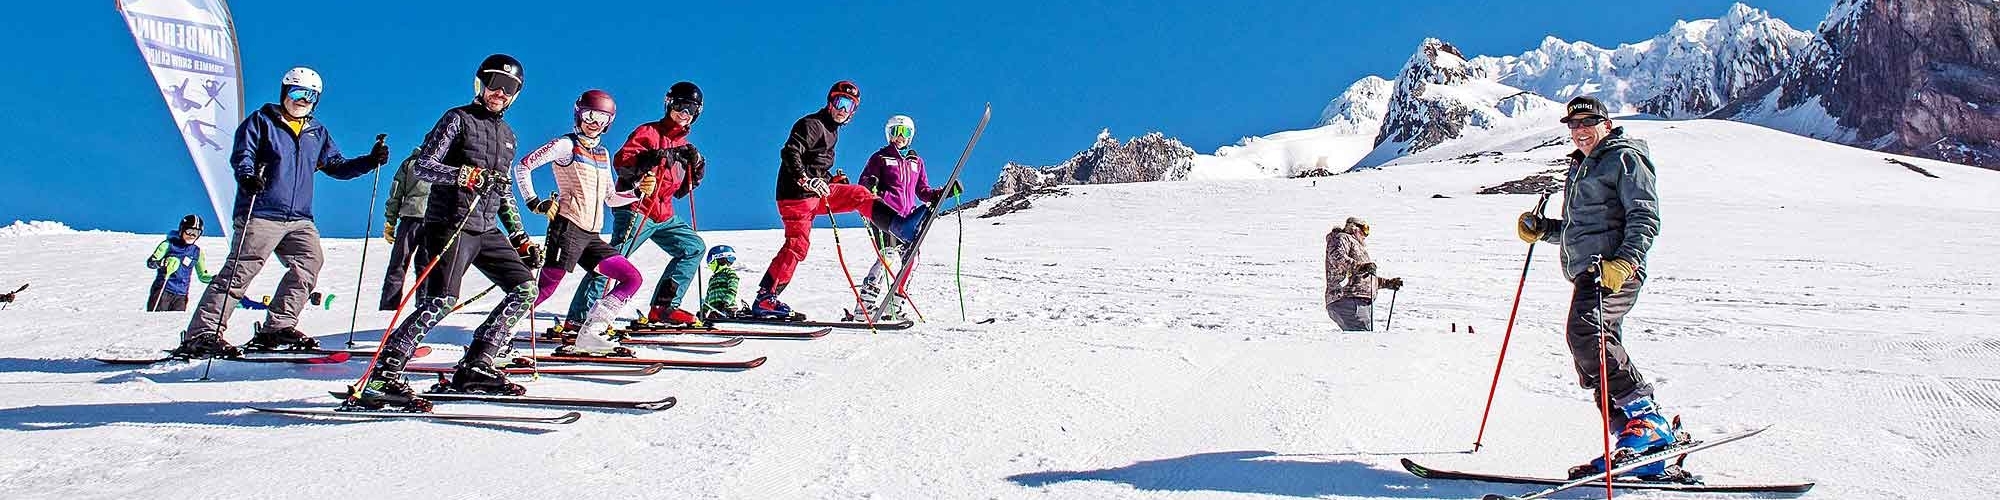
[(844, 88), (596, 100)]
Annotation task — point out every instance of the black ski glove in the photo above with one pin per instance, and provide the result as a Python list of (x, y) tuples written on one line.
[(650, 158), (1393, 283), (531, 254), (380, 153), (250, 184), (692, 160), (483, 180), (546, 207)]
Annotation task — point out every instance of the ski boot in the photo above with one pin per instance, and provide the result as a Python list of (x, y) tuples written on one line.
[(863, 313), (478, 377), (666, 317), (206, 345), (386, 389), (591, 342), (1644, 430), (288, 338), (561, 330), (768, 307)]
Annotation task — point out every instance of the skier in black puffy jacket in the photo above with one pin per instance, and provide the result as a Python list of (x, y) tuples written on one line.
[(466, 158)]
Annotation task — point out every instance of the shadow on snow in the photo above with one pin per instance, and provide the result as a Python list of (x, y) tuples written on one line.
[(1257, 472), (216, 413)]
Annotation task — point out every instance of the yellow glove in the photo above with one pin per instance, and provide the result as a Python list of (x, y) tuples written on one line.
[(1613, 273), (1528, 227), (647, 184), (389, 232)]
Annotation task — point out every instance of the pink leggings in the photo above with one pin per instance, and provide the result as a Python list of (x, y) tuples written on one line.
[(616, 267)]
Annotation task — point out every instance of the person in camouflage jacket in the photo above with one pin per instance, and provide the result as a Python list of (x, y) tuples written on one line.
[(1350, 277)]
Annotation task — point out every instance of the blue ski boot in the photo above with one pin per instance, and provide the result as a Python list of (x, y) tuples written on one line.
[(1645, 430), (768, 306)]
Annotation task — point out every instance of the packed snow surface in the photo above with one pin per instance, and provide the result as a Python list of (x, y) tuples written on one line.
[(1152, 340)]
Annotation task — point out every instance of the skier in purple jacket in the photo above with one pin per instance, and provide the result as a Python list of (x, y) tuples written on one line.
[(896, 175)]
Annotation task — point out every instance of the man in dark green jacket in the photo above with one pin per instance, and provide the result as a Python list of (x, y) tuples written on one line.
[(1611, 214), (405, 213)]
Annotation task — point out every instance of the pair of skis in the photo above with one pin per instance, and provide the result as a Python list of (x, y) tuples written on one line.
[(1558, 485), (292, 356), (558, 419), (710, 344), (850, 325)]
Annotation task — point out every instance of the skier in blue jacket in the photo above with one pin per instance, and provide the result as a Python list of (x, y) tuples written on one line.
[(277, 150)]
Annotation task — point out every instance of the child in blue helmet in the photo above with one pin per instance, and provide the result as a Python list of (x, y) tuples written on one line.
[(720, 301)]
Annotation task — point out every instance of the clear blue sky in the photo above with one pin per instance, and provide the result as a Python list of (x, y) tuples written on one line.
[(89, 141)]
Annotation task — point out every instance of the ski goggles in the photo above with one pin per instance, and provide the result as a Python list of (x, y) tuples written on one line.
[(501, 81), (1585, 122), (294, 93), (903, 131), (844, 103), (594, 117), (690, 108)]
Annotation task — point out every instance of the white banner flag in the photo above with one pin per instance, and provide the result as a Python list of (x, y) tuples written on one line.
[(191, 47)]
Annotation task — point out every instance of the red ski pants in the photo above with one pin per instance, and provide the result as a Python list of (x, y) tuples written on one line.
[(798, 217)]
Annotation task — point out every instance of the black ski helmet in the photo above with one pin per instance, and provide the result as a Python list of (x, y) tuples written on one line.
[(501, 65), (684, 91), (685, 95), (191, 221)]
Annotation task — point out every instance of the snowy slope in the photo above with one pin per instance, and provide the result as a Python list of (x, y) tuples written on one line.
[(1150, 340)]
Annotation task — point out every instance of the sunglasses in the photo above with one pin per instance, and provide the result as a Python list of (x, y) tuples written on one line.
[(1584, 122), (690, 108), (844, 103), (903, 131), (594, 117), (310, 96)]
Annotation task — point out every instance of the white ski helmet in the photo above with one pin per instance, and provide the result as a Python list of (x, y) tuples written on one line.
[(888, 129), (303, 77)]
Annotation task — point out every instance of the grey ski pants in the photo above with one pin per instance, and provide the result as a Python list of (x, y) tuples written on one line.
[(1354, 314), (296, 244)]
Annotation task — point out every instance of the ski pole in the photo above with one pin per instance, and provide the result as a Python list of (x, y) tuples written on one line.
[(1392, 311), (1603, 369), (236, 246), (842, 256), (475, 298), (374, 188), (958, 267), (1509, 335), (700, 284)]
